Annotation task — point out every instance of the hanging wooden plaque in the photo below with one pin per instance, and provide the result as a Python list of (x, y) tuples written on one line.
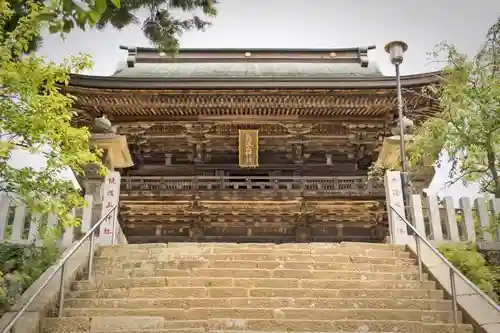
[(248, 148)]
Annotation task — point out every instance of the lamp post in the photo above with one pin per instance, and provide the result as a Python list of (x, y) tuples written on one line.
[(396, 50)]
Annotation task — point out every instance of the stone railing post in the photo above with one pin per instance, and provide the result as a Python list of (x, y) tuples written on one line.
[(4, 213), (93, 186)]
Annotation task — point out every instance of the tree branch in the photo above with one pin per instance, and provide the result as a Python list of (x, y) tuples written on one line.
[(464, 174)]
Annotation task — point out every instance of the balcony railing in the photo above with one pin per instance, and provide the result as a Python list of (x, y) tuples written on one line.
[(340, 185)]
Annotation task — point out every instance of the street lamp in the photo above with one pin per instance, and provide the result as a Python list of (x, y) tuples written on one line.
[(396, 50)]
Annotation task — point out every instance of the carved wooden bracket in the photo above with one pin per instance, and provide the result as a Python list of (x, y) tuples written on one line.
[(136, 142), (197, 129), (196, 136), (304, 211), (196, 209), (168, 159), (198, 152), (137, 139), (302, 234), (196, 233), (131, 129), (298, 144), (159, 230), (299, 129)]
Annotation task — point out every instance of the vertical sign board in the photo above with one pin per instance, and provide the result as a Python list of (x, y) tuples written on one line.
[(394, 198), (248, 147), (111, 196)]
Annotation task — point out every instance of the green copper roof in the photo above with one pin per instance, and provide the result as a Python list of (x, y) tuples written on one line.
[(225, 70)]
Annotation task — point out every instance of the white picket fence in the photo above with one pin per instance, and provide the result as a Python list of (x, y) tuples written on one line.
[(471, 220), (18, 226)]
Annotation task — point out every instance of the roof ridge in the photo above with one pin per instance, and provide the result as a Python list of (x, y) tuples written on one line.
[(249, 49), (336, 55)]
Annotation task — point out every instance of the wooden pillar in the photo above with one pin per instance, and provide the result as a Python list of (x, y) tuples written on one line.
[(168, 159), (329, 159)]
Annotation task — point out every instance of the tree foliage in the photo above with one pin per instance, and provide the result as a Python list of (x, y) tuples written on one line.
[(35, 117), (469, 128), (161, 26)]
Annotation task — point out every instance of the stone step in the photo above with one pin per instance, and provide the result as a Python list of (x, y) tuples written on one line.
[(284, 245), (335, 283), (257, 249), (299, 325), (410, 290), (158, 324), (149, 270), (263, 273), (129, 262), (101, 324), (372, 245), (352, 251), (47, 328), (269, 313), (325, 303), (253, 245)]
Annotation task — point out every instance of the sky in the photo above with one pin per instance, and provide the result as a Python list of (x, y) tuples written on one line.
[(313, 24)]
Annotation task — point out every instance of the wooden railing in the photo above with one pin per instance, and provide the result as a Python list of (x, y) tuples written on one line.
[(341, 185)]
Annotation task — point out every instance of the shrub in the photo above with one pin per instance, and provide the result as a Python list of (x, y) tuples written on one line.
[(20, 266), (475, 267)]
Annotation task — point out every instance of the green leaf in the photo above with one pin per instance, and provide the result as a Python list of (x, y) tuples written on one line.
[(100, 6), (47, 16), (93, 16), (116, 3), (68, 5), (54, 28), (81, 18), (68, 26)]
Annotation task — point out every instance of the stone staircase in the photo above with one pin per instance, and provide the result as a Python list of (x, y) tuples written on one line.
[(213, 287)]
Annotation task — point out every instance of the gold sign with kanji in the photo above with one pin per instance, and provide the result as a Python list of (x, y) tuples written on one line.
[(249, 148)]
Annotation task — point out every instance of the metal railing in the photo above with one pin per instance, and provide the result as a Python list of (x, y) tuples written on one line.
[(454, 272), (61, 266)]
